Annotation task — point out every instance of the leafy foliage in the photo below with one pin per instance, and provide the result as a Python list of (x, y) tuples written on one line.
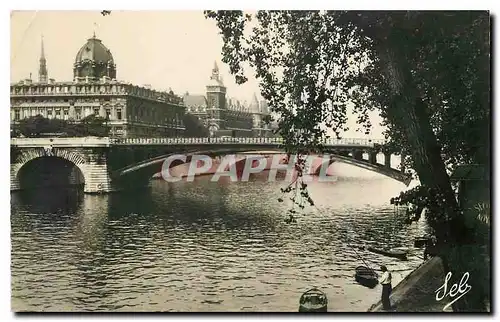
[(92, 125), (194, 127), (313, 66), (36, 126)]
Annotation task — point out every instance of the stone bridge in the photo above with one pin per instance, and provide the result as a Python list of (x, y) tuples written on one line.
[(104, 165)]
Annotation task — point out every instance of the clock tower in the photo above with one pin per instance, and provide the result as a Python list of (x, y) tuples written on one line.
[(216, 100)]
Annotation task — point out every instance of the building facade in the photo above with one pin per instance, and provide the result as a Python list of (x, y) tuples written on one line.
[(226, 116), (129, 110)]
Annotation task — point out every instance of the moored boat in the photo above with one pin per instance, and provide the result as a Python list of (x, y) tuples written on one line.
[(401, 254), (366, 276), (313, 300), (421, 242)]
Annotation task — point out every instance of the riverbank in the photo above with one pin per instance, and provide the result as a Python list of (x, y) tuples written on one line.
[(416, 292)]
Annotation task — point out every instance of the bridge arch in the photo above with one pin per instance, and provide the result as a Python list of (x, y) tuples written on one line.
[(155, 165), (37, 168), (152, 166), (26, 156), (322, 167)]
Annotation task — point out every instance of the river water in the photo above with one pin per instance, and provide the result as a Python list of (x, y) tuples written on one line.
[(204, 246)]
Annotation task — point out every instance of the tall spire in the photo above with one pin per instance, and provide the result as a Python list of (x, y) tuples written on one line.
[(42, 56), (42, 71), (215, 72), (216, 77)]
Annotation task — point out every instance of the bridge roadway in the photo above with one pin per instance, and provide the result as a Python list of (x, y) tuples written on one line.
[(110, 164)]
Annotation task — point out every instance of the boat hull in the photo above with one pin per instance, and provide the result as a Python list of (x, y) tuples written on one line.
[(366, 277), (421, 242), (313, 301), (390, 253), (303, 308), (366, 281)]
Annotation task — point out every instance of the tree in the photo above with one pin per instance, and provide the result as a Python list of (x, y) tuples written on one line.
[(36, 125), (426, 73), (32, 126), (93, 125), (194, 127)]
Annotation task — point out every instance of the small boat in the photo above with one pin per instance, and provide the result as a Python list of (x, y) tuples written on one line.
[(366, 276), (313, 300), (401, 254), (420, 242)]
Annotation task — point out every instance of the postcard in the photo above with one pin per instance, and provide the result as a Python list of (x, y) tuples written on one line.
[(260, 161)]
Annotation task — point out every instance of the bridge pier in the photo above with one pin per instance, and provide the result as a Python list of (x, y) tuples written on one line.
[(14, 180), (357, 154), (373, 157), (97, 179), (387, 159)]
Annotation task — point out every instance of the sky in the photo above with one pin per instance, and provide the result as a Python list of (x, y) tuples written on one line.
[(165, 49)]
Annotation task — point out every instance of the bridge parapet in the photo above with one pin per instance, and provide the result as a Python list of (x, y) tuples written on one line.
[(106, 141), (62, 142), (242, 141)]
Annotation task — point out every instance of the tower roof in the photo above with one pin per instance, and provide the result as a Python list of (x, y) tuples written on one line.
[(42, 70), (42, 54), (95, 51), (215, 79)]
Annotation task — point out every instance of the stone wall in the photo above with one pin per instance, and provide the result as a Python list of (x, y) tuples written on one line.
[(90, 166)]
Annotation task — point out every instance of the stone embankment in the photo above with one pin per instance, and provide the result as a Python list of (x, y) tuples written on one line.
[(417, 291)]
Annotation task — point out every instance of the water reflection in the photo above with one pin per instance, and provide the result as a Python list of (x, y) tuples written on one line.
[(191, 246), (62, 201)]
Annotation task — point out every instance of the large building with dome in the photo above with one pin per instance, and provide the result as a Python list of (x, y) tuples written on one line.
[(130, 110)]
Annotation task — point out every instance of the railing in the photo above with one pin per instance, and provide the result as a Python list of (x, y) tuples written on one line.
[(79, 141), (231, 140), (180, 141)]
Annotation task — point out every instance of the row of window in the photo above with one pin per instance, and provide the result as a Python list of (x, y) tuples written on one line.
[(166, 120), (203, 109), (44, 101), (94, 89), (67, 89), (65, 113)]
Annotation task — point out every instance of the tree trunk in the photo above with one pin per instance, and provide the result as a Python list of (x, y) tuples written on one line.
[(409, 112)]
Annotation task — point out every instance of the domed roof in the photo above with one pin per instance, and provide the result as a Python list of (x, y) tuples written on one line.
[(95, 51)]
